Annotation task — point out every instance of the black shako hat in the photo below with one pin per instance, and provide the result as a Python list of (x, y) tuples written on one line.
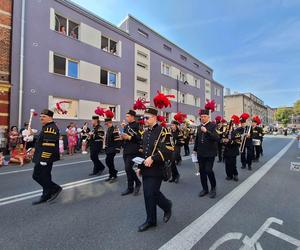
[(107, 119), (204, 112), (47, 112), (175, 122), (131, 112), (151, 110), (95, 117)]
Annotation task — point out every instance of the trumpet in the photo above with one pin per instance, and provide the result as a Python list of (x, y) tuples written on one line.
[(244, 138)]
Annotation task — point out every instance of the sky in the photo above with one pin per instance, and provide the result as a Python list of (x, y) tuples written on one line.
[(252, 45)]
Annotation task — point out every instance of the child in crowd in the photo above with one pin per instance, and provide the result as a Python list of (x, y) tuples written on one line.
[(61, 146)]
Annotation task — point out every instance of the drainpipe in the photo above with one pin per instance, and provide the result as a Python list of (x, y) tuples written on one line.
[(21, 65)]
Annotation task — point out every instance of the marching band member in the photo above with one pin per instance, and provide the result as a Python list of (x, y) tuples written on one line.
[(112, 145), (257, 137), (219, 131), (247, 150), (187, 137), (231, 143), (46, 152), (131, 143), (206, 149), (96, 139)]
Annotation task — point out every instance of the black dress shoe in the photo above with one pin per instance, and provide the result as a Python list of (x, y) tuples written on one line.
[(137, 190), (40, 201), (212, 193), (113, 179), (108, 179), (235, 178), (168, 214), (249, 168), (177, 179), (126, 192), (243, 167), (172, 179), (55, 195), (228, 178), (146, 226), (203, 193)]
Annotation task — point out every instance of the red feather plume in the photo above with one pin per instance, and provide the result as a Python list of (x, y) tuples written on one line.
[(59, 107), (210, 105), (109, 114), (256, 119), (223, 120), (235, 119), (142, 122), (164, 124), (140, 104), (160, 118), (35, 113), (100, 111), (180, 117), (218, 118), (162, 101), (245, 116)]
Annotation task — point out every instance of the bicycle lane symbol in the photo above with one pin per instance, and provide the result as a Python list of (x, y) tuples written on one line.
[(253, 242)]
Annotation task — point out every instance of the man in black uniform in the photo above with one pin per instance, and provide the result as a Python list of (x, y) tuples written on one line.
[(46, 152), (156, 152), (187, 137), (178, 141), (96, 138), (258, 136), (112, 147), (219, 131), (206, 147), (231, 143), (247, 153), (131, 143)]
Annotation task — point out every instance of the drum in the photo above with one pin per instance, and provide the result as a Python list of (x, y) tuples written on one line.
[(256, 142)]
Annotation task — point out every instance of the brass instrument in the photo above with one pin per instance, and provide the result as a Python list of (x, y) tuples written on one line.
[(244, 137)]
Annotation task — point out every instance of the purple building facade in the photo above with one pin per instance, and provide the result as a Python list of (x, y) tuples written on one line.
[(67, 59)]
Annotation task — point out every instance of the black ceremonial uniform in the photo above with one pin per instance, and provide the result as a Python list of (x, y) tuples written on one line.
[(178, 141), (46, 152), (153, 175), (131, 150), (206, 146), (96, 145), (220, 143), (231, 151), (247, 154), (112, 147), (257, 134)]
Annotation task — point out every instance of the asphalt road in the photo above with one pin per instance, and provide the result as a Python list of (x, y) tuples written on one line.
[(91, 214)]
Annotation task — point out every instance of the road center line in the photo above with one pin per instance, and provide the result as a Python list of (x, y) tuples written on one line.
[(194, 232)]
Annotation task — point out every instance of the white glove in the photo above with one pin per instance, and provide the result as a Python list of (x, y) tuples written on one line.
[(43, 163)]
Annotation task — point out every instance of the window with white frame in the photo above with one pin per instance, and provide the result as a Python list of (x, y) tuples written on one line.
[(166, 69), (66, 27), (218, 108), (196, 101), (65, 66), (143, 33), (182, 76), (217, 91), (109, 45), (197, 82), (109, 78), (182, 97)]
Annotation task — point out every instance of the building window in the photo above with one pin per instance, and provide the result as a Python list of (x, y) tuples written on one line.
[(166, 47), (196, 65), (182, 76), (141, 79), (208, 72), (218, 108), (197, 82), (182, 98), (166, 69), (141, 94), (109, 78), (143, 33), (142, 54), (66, 26), (183, 57), (65, 66), (142, 65), (109, 45)]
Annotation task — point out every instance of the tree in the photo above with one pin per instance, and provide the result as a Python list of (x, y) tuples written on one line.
[(283, 115), (297, 107)]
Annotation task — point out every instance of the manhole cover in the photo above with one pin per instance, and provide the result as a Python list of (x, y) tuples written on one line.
[(295, 166)]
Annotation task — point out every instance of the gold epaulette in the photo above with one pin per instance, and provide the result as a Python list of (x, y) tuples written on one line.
[(50, 131)]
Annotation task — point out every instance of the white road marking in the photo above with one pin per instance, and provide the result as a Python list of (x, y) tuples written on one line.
[(194, 232), (36, 193)]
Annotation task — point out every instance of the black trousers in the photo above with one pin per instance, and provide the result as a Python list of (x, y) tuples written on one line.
[(98, 165), (131, 174), (109, 160), (206, 171), (186, 147), (153, 197), (220, 151), (230, 166), (258, 150), (175, 157), (42, 175), (247, 155)]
